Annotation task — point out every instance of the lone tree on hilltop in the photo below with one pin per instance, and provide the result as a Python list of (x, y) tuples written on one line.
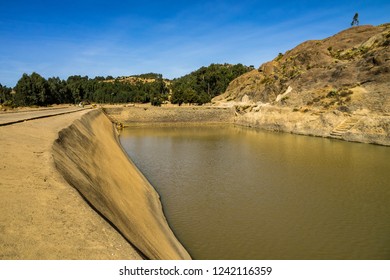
[(355, 20)]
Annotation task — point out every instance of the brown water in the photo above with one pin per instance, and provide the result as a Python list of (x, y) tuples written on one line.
[(237, 193)]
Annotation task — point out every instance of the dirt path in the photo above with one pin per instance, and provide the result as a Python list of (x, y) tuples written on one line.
[(42, 217), (17, 117)]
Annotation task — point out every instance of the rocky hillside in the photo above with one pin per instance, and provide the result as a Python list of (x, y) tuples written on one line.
[(338, 87), (348, 72)]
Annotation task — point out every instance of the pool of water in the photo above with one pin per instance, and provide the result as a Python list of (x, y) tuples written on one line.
[(237, 193)]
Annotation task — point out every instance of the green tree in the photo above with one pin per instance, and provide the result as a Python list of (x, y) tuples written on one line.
[(5, 95), (77, 85), (59, 91), (33, 90), (355, 20)]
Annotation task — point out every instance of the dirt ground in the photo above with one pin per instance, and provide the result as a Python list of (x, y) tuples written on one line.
[(42, 216)]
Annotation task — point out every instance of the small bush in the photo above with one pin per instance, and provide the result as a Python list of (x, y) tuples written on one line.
[(317, 99), (345, 93), (279, 57), (344, 109), (332, 93), (9, 103), (266, 81)]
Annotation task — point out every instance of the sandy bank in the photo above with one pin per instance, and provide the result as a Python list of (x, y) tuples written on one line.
[(42, 216), (89, 156)]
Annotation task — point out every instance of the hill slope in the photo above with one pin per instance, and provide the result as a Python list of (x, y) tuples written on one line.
[(347, 74), (351, 68)]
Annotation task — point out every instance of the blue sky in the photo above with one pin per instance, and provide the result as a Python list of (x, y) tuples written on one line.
[(120, 38)]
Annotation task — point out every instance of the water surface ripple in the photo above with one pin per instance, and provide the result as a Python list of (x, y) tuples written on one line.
[(237, 193)]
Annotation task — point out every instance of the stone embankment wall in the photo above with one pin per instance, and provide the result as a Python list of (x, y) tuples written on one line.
[(151, 114), (90, 158)]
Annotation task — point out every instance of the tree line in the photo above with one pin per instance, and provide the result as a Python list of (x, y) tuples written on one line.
[(36, 90), (198, 87)]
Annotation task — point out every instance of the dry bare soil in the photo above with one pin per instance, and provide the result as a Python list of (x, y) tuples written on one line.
[(42, 217)]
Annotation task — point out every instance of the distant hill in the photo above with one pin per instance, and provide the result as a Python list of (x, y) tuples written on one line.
[(348, 71), (143, 78)]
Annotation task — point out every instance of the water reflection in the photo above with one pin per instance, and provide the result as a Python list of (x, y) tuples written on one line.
[(236, 193)]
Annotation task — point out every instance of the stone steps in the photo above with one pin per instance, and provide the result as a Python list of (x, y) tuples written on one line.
[(345, 126)]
